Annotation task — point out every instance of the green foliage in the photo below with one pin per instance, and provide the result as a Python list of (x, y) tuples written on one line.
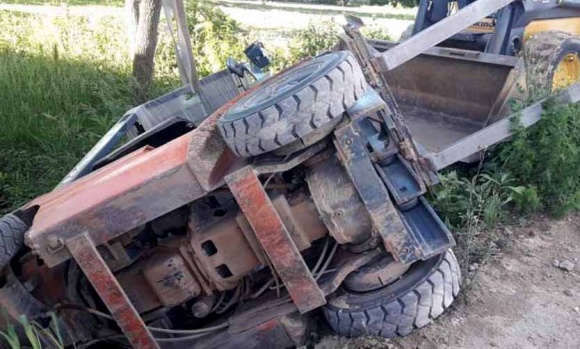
[(547, 158), (404, 3), (30, 332), (315, 39), (375, 32), (63, 82), (536, 170), (10, 336), (481, 199), (33, 333), (215, 36)]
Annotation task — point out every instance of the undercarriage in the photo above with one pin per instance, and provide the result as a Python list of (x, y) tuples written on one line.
[(255, 214)]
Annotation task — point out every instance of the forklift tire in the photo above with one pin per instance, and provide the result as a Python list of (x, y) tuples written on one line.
[(411, 302), (543, 54), (295, 105), (12, 231)]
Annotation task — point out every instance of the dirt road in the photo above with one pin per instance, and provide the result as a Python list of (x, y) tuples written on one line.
[(517, 300)]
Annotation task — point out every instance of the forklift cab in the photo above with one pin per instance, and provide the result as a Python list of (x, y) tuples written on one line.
[(505, 31)]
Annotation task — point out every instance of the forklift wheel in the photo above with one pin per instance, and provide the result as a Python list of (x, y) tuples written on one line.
[(413, 301), (303, 103), (12, 231), (552, 62)]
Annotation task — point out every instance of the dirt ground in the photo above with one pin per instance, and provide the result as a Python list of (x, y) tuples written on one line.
[(517, 299)]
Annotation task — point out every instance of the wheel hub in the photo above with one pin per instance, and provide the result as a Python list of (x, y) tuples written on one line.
[(377, 274), (567, 72)]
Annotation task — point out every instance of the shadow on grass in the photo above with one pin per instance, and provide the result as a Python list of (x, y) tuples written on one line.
[(52, 112)]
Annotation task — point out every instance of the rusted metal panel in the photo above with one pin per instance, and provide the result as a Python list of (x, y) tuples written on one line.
[(342, 210), (383, 271), (169, 277), (392, 115), (85, 253), (114, 200), (138, 289), (222, 251), (264, 324), (386, 220), (301, 219), (348, 262), (275, 239)]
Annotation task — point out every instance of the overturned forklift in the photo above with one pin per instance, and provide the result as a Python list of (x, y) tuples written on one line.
[(243, 209)]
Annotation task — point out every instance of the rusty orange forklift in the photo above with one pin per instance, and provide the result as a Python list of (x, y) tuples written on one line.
[(242, 216)]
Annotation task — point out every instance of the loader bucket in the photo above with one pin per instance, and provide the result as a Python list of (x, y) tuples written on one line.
[(448, 94)]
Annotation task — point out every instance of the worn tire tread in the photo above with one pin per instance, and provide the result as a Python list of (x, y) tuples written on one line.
[(318, 104), (12, 231), (400, 316)]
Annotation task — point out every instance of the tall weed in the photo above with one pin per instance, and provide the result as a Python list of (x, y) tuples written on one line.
[(547, 158)]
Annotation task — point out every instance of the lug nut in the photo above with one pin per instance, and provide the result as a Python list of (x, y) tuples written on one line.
[(202, 307)]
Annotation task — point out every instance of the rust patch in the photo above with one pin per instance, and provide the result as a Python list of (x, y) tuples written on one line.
[(92, 264), (275, 239)]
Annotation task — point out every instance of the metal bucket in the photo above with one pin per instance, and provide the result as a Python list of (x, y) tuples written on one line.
[(447, 94)]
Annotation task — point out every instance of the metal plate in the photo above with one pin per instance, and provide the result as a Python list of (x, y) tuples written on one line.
[(386, 219), (275, 239), (92, 264)]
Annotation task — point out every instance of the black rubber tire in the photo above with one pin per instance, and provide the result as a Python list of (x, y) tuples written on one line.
[(542, 55), (414, 301), (12, 231), (293, 105)]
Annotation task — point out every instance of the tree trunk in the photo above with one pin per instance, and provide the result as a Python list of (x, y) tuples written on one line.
[(145, 46), (132, 16)]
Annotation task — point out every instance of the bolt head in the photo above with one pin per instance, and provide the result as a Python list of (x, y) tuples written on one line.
[(54, 242)]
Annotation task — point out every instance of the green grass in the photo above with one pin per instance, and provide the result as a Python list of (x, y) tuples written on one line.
[(63, 82)]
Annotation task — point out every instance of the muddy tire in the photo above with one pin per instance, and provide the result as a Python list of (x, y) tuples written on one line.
[(306, 99), (413, 301), (12, 231), (542, 55)]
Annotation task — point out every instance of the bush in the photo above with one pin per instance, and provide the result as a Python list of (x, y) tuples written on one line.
[(484, 198), (214, 35), (547, 158), (315, 39), (63, 82)]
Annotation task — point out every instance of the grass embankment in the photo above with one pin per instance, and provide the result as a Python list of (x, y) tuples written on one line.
[(63, 82)]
